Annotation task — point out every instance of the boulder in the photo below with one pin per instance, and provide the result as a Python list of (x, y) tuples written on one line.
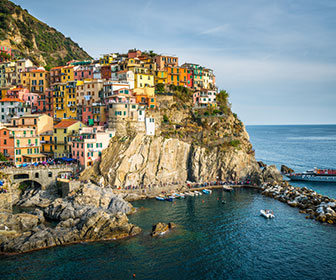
[(286, 170), (271, 174), (159, 228)]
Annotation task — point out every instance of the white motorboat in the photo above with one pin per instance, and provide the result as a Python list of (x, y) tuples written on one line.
[(268, 214)]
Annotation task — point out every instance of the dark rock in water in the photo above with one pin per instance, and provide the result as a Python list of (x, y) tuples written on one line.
[(171, 225), (286, 170), (162, 228), (271, 174), (261, 164)]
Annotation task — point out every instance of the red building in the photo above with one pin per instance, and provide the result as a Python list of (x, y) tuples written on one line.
[(6, 144), (106, 72), (134, 53), (45, 103), (56, 74), (87, 115)]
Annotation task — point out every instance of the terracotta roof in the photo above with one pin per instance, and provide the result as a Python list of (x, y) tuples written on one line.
[(38, 71), (11, 100), (65, 123), (58, 67)]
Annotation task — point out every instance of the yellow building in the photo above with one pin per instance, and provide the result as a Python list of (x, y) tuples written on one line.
[(173, 75), (59, 100), (26, 146), (143, 78), (107, 59), (62, 135), (67, 74), (65, 100), (70, 100), (35, 80), (47, 144), (40, 123), (161, 77)]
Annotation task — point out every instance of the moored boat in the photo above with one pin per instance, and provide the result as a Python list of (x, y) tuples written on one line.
[(315, 175), (160, 198), (206, 191), (227, 188), (268, 214)]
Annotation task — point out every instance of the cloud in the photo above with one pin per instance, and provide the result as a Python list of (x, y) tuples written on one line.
[(216, 30)]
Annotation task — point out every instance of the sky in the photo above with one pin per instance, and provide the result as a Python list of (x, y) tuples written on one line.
[(277, 59)]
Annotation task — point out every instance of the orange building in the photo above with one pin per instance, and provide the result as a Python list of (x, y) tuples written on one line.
[(173, 75)]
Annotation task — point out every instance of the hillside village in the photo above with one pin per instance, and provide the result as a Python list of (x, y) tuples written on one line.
[(73, 111)]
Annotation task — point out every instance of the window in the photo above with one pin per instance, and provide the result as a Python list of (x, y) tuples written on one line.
[(64, 130)]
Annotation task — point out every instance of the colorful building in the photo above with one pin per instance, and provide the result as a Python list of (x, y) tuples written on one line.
[(87, 145), (62, 136), (45, 103), (143, 78), (56, 75), (67, 74), (25, 145), (161, 77), (205, 98), (7, 143), (40, 123), (173, 75), (186, 77), (12, 107), (164, 61), (35, 80)]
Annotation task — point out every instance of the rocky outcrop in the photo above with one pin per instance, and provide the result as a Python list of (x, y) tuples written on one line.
[(317, 206), (161, 228), (286, 170), (271, 174), (90, 214)]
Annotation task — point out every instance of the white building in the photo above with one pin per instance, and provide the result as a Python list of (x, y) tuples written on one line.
[(150, 126), (12, 107)]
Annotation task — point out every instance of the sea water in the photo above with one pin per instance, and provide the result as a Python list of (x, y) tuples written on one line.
[(300, 147), (218, 236)]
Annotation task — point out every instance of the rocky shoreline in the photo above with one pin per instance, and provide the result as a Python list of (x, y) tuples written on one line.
[(94, 213), (89, 214), (317, 206)]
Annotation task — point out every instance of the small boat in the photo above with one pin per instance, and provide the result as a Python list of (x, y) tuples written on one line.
[(160, 198), (169, 198), (197, 193), (268, 214), (227, 188), (182, 195), (189, 194), (206, 191)]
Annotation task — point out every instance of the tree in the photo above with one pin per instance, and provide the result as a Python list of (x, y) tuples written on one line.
[(2, 157), (159, 87), (223, 101)]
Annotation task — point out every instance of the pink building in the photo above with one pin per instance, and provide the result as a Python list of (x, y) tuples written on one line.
[(30, 98), (88, 144), (87, 114), (16, 92), (83, 72)]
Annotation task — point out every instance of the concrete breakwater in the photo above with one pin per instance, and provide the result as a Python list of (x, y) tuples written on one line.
[(317, 206)]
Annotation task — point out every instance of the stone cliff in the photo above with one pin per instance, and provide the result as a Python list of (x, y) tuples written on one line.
[(189, 145)]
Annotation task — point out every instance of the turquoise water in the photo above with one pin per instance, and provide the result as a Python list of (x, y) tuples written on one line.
[(301, 147), (212, 241)]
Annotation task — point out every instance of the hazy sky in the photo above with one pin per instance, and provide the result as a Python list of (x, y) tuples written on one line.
[(277, 59)]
